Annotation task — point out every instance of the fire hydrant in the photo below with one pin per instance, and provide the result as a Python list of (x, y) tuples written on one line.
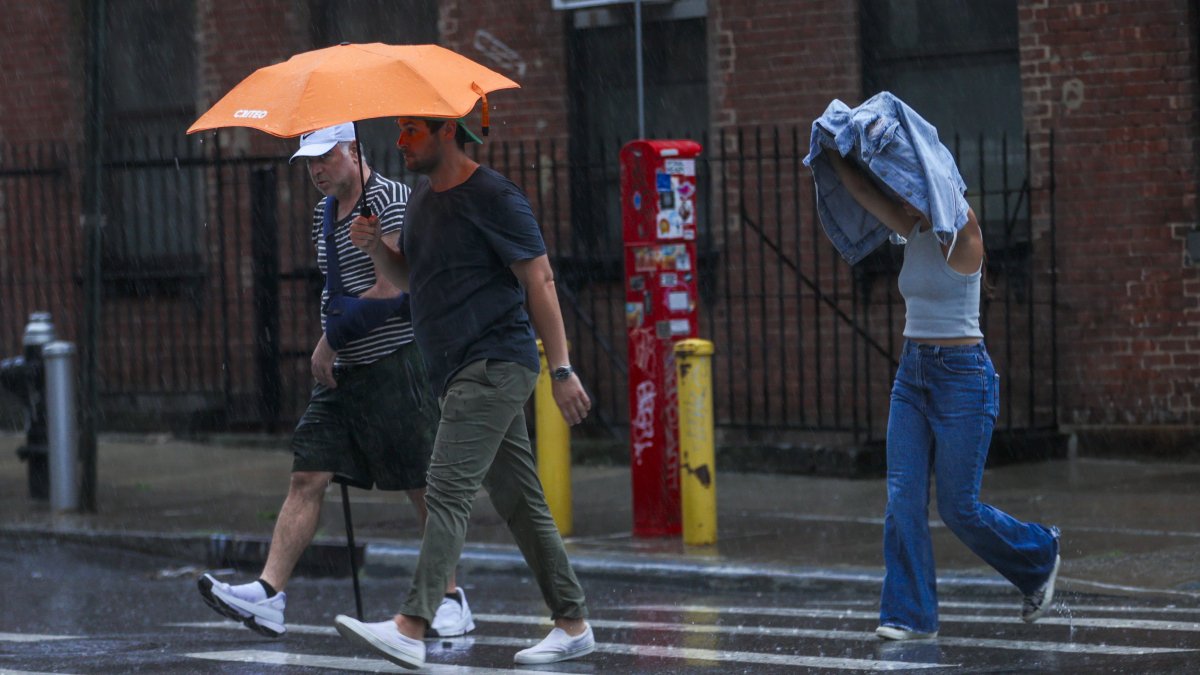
[(24, 376)]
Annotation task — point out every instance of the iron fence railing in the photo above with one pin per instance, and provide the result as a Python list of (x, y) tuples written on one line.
[(210, 282)]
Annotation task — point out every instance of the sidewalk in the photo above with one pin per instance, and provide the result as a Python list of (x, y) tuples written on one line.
[(1127, 527)]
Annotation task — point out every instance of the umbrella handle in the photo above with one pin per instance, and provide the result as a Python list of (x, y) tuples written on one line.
[(366, 208)]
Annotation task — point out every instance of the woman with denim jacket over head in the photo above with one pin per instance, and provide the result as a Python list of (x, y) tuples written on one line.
[(944, 404)]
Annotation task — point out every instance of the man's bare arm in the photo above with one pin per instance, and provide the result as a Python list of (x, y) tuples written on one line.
[(541, 299)]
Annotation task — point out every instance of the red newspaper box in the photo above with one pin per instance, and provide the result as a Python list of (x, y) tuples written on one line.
[(658, 206)]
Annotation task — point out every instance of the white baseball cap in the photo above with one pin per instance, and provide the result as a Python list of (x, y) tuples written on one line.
[(321, 141)]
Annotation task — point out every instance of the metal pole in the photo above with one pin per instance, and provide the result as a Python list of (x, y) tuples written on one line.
[(641, 91), (1053, 285), (553, 449), (93, 223), (62, 429), (350, 548), (698, 479)]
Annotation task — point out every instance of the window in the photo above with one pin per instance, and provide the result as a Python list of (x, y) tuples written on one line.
[(603, 115), (154, 207), (957, 64)]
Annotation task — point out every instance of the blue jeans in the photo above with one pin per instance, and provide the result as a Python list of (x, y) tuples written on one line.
[(944, 405)]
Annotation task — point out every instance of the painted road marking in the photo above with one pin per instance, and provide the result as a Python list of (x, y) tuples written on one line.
[(935, 523), (666, 652), (1011, 607), (858, 636), (724, 656), (297, 628), (1077, 622), (363, 665), (32, 637)]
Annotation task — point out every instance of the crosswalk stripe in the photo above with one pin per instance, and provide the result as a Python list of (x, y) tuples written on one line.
[(1011, 607), (938, 524), (1077, 622), (858, 636), (723, 656), (660, 651), (304, 660), (32, 637), (1085, 583), (363, 665), (6, 671), (297, 628)]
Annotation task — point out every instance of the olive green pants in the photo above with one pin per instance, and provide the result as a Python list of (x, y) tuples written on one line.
[(482, 441)]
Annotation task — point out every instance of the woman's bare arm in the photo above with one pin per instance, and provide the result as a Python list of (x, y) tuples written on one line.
[(889, 212)]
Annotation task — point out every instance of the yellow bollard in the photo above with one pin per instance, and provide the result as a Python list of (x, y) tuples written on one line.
[(553, 449), (698, 475)]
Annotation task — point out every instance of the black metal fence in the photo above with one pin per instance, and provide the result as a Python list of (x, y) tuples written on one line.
[(210, 282)]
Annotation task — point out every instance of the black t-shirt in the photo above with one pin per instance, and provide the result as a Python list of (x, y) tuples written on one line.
[(466, 302)]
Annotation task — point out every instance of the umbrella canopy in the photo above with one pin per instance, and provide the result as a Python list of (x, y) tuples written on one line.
[(351, 82)]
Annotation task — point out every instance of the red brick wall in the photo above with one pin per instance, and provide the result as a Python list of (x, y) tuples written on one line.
[(41, 57), (1117, 83), (533, 35), (781, 61)]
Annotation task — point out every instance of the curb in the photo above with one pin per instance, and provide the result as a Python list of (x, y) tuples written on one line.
[(379, 558), (391, 558)]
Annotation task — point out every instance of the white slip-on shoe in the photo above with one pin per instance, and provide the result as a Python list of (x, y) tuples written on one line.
[(247, 603), (558, 646), (453, 618), (897, 633), (1036, 603), (383, 637)]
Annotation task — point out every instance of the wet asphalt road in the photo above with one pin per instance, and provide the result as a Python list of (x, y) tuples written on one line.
[(79, 609)]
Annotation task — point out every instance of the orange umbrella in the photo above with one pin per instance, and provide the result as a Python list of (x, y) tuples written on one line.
[(351, 82)]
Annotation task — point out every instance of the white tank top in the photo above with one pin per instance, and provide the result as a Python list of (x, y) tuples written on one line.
[(939, 302)]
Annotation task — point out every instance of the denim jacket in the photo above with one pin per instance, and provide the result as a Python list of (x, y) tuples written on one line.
[(900, 151)]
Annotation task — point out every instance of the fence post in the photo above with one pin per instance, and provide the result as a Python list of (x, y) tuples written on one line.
[(62, 427), (553, 449), (264, 247), (697, 462)]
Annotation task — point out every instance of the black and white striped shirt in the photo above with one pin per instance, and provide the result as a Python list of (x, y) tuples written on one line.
[(387, 199)]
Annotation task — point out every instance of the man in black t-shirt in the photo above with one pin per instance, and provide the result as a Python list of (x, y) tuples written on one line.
[(473, 260)]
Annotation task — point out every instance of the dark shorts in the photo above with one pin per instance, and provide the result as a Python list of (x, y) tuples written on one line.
[(375, 429)]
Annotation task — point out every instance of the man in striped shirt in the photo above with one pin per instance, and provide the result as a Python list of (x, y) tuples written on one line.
[(372, 417)]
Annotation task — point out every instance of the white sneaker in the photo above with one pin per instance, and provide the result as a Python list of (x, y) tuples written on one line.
[(247, 603), (558, 646), (385, 638), (452, 618), (1036, 603), (895, 633)]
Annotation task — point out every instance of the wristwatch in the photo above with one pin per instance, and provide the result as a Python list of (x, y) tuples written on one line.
[(561, 373)]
